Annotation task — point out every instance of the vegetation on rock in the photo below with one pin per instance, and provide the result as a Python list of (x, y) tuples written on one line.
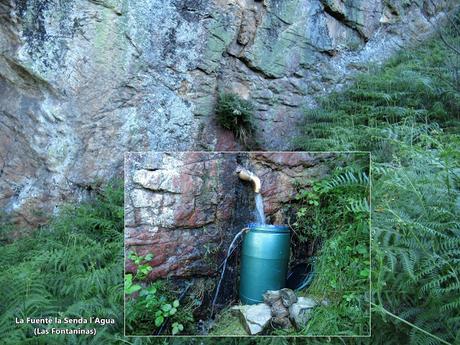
[(334, 213), (151, 307), (236, 114)]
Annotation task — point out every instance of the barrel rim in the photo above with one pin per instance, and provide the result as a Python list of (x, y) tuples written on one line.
[(268, 227)]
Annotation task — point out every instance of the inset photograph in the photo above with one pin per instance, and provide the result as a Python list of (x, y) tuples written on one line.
[(247, 244)]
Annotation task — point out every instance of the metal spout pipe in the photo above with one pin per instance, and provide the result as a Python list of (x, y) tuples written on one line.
[(246, 175)]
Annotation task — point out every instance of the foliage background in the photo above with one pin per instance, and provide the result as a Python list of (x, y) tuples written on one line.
[(335, 215)]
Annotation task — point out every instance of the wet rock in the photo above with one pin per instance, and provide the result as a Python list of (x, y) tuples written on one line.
[(281, 322), (278, 309), (288, 297), (300, 311), (271, 296), (255, 317)]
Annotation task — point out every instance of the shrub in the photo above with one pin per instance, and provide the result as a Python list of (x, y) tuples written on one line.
[(236, 114), (153, 307)]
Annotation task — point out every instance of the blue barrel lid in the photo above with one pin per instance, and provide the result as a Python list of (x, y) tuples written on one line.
[(268, 227)]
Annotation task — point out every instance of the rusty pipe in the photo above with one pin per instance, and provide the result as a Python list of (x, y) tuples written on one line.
[(246, 175)]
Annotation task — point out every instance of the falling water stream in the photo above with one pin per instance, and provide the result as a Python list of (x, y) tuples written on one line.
[(260, 215), (260, 219)]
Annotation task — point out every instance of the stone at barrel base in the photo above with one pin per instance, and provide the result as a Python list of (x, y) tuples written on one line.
[(254, 317), (271, 296), (281, 322), (288, 297), (278, 309), (274, 313), (300, 311)]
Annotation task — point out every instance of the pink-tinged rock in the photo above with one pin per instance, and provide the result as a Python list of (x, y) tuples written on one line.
[(180, 210), (188, 184), (176, 252), (226, 141), (190, 158), (288, 159), (188, 217)]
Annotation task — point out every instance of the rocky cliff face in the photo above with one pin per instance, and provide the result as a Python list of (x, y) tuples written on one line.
[(82, 82), (185, 208)]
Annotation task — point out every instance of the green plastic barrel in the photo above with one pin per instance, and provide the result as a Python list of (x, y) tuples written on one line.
[(264, 261)]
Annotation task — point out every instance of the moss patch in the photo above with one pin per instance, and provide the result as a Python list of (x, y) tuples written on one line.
[(227, 324)]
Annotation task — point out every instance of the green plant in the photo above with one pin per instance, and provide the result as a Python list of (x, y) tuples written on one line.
[(417, 236), (147, 311), (69, 268), (328, 214), (142, 268), (237, 115), (165, 310), (407, 114), (177, 328), (130, 288)]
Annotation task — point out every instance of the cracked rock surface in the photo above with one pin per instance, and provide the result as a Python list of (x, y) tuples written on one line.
[(255, 317), (300, 312), (82, 82), (186, 207)]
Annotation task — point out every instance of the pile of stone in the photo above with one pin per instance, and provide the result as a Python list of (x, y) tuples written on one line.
[(281, 309)]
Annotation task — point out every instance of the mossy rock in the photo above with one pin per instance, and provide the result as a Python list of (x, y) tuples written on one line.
[(227, 324)]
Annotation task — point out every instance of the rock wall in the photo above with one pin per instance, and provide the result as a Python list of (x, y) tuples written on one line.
[(185, 208), (83, 81)]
